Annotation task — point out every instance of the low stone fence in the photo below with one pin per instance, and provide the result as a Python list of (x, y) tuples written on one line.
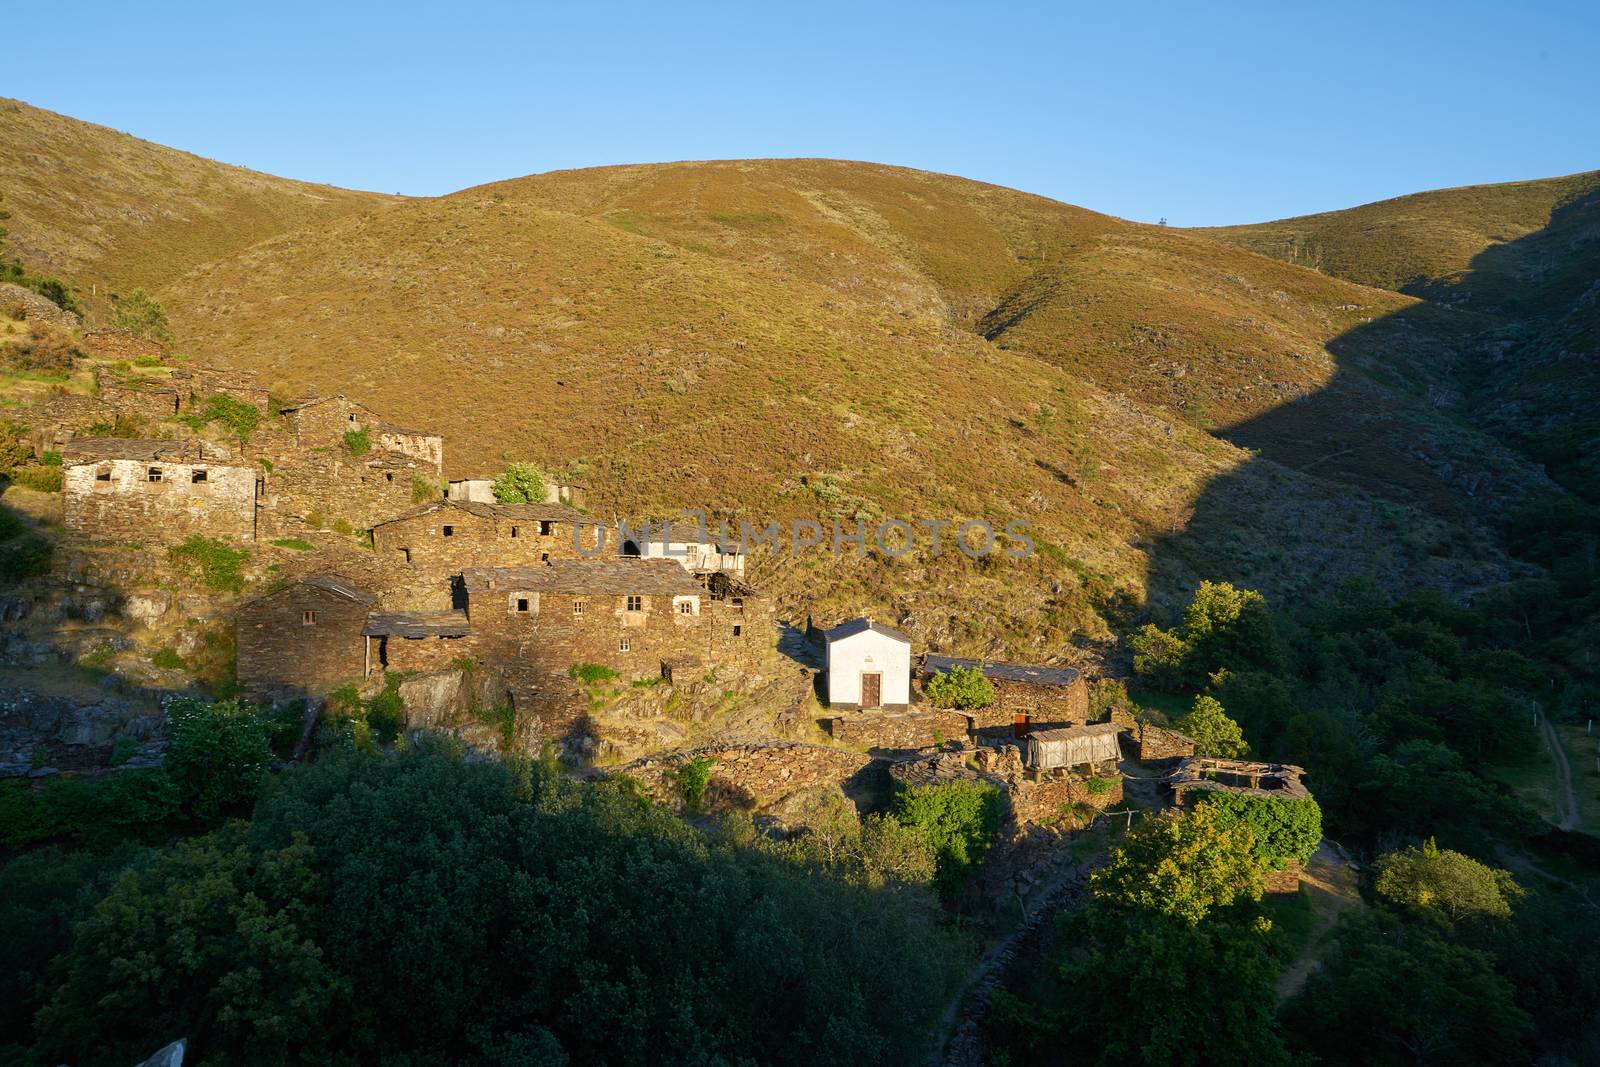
[(897, 729), (754, 774), (1043, 801)]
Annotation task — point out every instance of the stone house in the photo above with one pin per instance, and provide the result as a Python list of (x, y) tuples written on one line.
[(412, 641), (125, 490), (149, 400), (203, 382), (632, 616), (868, 665), (322, 422), (1025, 695), (695, 549), (304, 639), (438, 540), (481, 490)]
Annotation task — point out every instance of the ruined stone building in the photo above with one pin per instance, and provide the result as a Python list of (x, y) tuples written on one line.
[(323, 422), (133, 398), (1025, 696), (411, 641), (868, 665), (126, 491), (306, 638), (439, 539), (1198, 774), (697, 550), (633, 616), (481, 490)]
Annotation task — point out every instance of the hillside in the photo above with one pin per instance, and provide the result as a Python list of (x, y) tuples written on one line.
[(102, 208), (1516, 266), (783, 338)]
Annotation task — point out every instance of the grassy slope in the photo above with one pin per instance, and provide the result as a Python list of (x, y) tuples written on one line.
[(1516, 265), (779, 338), (102, 207)]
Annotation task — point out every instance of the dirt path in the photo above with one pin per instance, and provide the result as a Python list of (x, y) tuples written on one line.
[(1330, 885), (1568, 814)]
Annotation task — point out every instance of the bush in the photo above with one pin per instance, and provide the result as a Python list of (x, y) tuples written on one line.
[(219, 755), (169, 660), (358, 442), (27, 558), (236, 416), (956, 820), (10, 525), (520, 483), (1179, 866), (591, 673), (50, 459), (38, 477), (386, 712), (342, 526), (1099, 787), (693, 777), (1448, 882), (423, 490), (43, 348), (1213, 732), (210, 561), (296, 543), (139, 314), (1282, 829), (960, 687)]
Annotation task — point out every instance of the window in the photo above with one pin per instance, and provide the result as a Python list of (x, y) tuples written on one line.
[(406, 554), (685, 607), (737, 630), (546, 528), (153, 474), (308, 618), (635, 603), (102, 476), (577, 607), (625, 645), (389, 477), (447, 531), (197, 477), (516, 531), (522, 603), (544, 557)]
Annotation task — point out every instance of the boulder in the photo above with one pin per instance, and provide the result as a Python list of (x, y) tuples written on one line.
[(146, 608)]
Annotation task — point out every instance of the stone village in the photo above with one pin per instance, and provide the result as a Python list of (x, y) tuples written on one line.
[(461, 599)]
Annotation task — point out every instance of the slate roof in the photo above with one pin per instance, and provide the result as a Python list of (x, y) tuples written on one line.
[(417, 624), (90, 449), (1004, 672), (861, 626), (691, 533), (525, 512), (597, 576), (1196, 772), (339, 585)]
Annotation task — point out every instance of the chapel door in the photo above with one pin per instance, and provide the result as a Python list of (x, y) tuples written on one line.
[(1019, 724), (871, 690)]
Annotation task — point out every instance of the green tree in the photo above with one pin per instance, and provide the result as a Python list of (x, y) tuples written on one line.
[(520, 483), (960, 687), (219, 754), (1449, 882), (1180, 865), (1214, 733), (955, 820), (1392, 993), (139, 314)]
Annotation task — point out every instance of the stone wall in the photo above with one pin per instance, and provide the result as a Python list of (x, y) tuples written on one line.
[(206, 382), (409, 654), (328, 484), (418, 542), (897, 729), (22, 303), (115, 500), (1157, 744), (751, 775), (1042, 800), (137, 401), (280, 653), (1036, 704), (1285, 882), (121, 345)]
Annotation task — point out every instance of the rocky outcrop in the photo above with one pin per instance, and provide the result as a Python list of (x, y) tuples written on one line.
[(34, 723), (20, 303)]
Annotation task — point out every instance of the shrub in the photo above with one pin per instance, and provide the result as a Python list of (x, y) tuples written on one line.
[(358, 442), (520, 483), (55, 290), (342, 526), (38, 477), (591, 673), (314, 520), (50, 459), (43, 348), (386, 712), (423, 490), (1099, 787), (219, 754), (960, 687), (139, 314), (956, 820), (236, 416), (169, 660), (1282, 828), (1180, 865), (210, 561), (122, 751), (27, 558), (1213, 732), (693, 777)]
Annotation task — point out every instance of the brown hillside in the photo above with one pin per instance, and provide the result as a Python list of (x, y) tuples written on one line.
[(102, 208), (783, 338)]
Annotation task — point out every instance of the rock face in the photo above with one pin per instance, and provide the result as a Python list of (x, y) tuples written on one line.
[(28, 720), (22, 303), (433, 700), (146, 608)]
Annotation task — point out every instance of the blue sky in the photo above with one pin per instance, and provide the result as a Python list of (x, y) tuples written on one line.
[(1203, 114)]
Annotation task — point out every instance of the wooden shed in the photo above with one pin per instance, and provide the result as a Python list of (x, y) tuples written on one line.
[(1073, 746)]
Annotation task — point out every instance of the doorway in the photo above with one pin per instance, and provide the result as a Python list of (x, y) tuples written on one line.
[(871, 690)]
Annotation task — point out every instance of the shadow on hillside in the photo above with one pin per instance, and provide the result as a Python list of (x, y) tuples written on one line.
[(1391, 471)]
